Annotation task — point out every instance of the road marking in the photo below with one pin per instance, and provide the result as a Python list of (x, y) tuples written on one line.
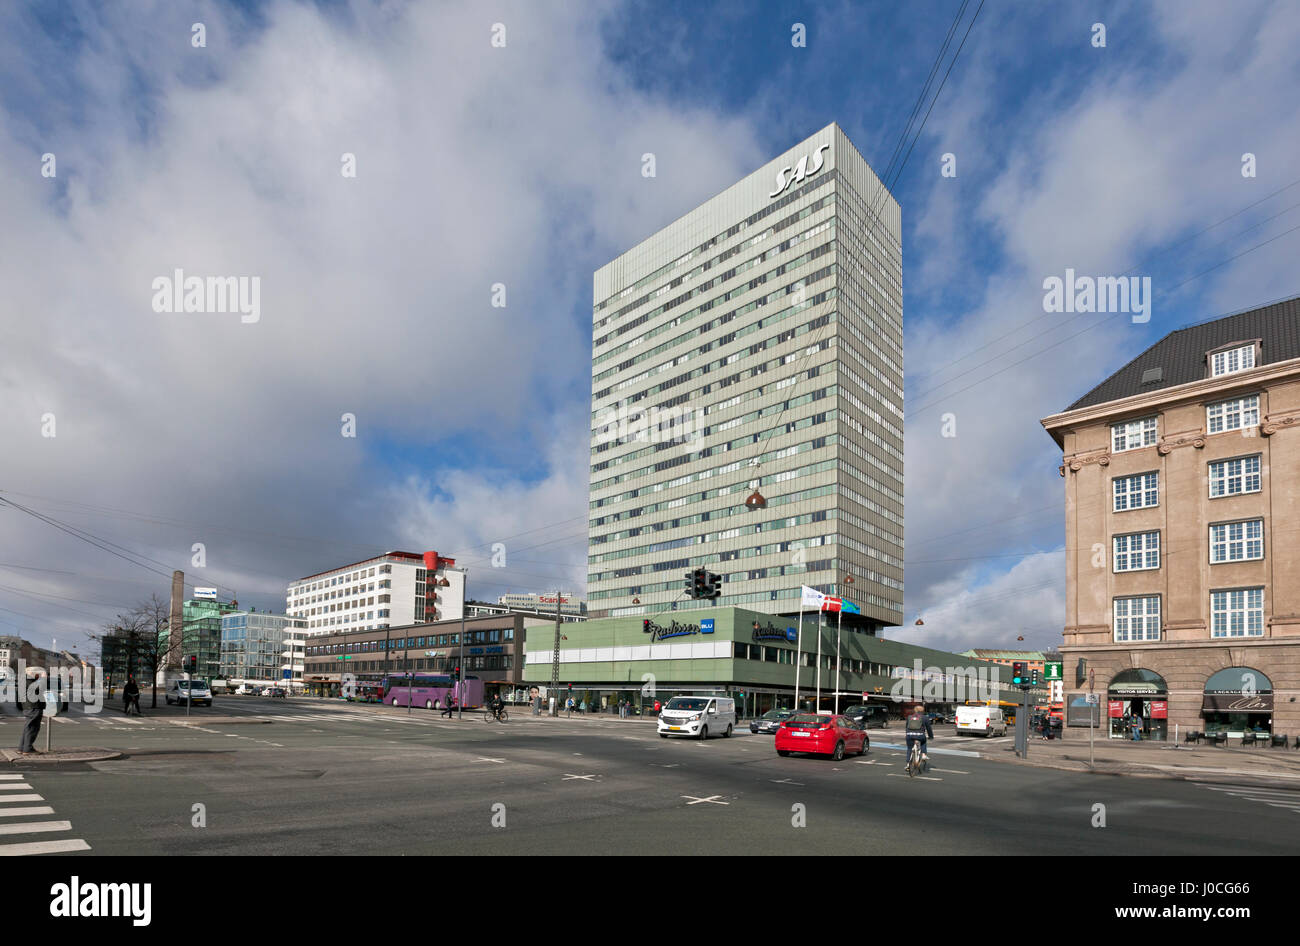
[(14, 788), (712, 800), (24, 812), (483, 759), (43, 847), (8, 798), (670, 765), (784, 781), (35, 827), (871, 762), (924, 778), (586, 777), (11, 778), (951, 771)]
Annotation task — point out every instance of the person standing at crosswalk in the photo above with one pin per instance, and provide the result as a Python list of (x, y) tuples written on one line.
[(35, 712)]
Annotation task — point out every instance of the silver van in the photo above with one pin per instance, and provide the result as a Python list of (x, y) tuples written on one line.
[(697, 716)]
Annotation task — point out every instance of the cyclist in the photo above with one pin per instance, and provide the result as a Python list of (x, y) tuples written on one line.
[(131, 694), (917, 727), (497, 705)]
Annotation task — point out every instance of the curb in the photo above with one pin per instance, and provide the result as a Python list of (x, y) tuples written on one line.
[(68, 754)]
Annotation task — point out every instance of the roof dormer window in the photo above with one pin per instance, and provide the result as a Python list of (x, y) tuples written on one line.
[(1232, 360)]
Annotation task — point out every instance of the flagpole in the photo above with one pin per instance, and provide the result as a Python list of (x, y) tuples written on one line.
[(818, 706), (798, 655), (839, 620)]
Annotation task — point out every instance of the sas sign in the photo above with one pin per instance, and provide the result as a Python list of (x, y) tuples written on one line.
[(801, 170)]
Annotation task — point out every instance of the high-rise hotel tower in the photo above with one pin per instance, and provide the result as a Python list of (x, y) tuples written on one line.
[(747, 397)]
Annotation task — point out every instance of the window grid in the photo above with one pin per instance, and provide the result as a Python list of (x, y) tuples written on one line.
[(1237, 414), (1137, 619), (1137, 492), (1231, 477), (1137, 552), (1237, 541), (1132, 435), (1237, 613), (1234, 359)]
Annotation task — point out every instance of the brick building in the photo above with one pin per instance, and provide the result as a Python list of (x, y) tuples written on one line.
[(1182, 507)]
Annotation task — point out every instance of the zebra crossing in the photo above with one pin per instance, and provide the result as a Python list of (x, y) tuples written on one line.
[(16, 797), (1273, 797)]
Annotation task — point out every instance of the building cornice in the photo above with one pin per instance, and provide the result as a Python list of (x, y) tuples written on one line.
[(1135, 405)]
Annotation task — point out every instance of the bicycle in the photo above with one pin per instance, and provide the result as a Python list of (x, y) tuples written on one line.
[(489, 716), (915, 764)]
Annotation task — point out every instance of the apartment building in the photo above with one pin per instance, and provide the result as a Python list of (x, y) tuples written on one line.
[(1182, 507), (747, 392), (396, 588)]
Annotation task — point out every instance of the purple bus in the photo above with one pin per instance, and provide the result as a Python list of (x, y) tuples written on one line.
[(430, 690)]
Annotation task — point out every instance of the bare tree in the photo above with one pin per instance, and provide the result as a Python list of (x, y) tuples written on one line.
[(137, 636)]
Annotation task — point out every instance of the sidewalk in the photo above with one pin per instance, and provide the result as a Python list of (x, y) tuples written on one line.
[(1155, 759)]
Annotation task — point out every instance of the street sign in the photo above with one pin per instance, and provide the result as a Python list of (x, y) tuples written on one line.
[(1092, 698), (1052, 671)]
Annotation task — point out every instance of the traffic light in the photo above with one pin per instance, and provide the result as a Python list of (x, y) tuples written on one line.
[(645, 625), (701, 581), (690, 584), (191, 665), (1033, 677), (713, 582), (1018, 677)]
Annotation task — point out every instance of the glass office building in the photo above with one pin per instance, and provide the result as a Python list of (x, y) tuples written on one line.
[(258, 648), (747, 397)]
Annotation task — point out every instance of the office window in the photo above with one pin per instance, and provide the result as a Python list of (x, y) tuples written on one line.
[(1236, 414), (1136, 552), (1137, 619), (1137, 492), (1234, 359), (1134, 434), (1237, 541), (1238, 613), (1231, 477)]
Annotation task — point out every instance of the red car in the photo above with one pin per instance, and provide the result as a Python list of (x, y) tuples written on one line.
[(821, 733)]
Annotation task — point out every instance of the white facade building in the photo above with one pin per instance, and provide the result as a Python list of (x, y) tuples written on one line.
[(544, 602), (386, 591), (755, 344)]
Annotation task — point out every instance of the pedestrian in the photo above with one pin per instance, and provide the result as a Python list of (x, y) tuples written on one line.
[(568, 708), (131, 694), (450, 705), (35, 711)]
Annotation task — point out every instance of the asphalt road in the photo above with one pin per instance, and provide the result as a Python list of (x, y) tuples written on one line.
[(331, 778)]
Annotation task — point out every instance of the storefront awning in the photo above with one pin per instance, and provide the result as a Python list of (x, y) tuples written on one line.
[(1237, 703)]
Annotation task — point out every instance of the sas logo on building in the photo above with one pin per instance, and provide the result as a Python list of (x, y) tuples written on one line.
[(801, 171)]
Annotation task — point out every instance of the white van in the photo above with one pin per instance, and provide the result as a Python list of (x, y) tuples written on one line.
[(981, 721), (697, 716)]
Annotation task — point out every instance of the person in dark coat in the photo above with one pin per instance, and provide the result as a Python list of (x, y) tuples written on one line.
[(131, 694), (35, 711)]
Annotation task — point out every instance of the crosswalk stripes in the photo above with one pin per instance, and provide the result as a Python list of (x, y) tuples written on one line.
[(21, 831), (1273, 797)]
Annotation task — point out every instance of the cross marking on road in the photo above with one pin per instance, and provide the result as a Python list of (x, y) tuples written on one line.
[(587, 777), (498, 761), (712, 800)]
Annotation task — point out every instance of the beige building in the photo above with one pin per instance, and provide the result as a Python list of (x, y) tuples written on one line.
[(1182, 507)]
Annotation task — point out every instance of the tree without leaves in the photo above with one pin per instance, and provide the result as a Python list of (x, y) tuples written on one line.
[(139, 632)]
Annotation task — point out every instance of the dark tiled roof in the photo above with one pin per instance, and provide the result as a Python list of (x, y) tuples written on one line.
[(1180, 355)]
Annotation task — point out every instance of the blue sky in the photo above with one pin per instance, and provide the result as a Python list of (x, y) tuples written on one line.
[(521, 166)]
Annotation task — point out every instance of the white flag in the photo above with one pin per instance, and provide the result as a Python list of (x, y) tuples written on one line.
[(812, 598)]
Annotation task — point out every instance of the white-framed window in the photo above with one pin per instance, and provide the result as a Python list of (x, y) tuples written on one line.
[(1137, 492), (1237, 613), (1236, 541), (1136, 552), (1234, 359), (1133, 434), (1231, 477), (1137, 619), (1237, 414)]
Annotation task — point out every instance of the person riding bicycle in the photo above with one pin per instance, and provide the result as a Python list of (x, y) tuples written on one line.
[(131, 695), (497, 705), (917, 727)]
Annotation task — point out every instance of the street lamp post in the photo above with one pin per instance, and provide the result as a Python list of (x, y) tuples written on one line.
[(460, 675)]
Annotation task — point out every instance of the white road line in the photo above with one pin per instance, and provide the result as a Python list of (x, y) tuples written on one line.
[(11, 778), (9, 798), (35, 827), (924, 778), (1250, 790), (43, 847), (871, 762), (14, 788), (712, 800), (24, 812), (951, 771)]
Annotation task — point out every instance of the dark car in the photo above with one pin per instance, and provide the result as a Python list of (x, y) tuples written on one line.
[(770, 721), (869, 716)]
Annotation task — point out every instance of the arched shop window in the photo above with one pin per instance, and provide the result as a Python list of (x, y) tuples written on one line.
[(1238, 700), (1138, 705)]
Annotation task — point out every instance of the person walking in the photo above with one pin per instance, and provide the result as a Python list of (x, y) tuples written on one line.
[(568, 707), (35, 712), (450, 707), (131, 696)]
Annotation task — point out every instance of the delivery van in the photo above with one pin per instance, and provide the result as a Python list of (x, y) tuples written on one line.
[(697, 716), (981, 721)]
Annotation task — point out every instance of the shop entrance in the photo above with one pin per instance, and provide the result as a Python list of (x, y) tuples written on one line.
[(1238, 701), (1138, 702)]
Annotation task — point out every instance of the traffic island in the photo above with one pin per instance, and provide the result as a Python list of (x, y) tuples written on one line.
[(61, 754)]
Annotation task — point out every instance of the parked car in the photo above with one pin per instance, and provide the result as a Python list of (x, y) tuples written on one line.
[(868, 715), (246, 689), (697, 716), (195, 692), (821, 734), (770, 721), (277, 692)]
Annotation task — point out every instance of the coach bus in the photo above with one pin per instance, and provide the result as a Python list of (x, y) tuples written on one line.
[(430, 690)]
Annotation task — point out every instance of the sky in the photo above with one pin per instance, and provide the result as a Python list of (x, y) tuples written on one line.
[(519, 165)]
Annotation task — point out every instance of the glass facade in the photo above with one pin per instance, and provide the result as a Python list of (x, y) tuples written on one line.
[(255, 648)]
